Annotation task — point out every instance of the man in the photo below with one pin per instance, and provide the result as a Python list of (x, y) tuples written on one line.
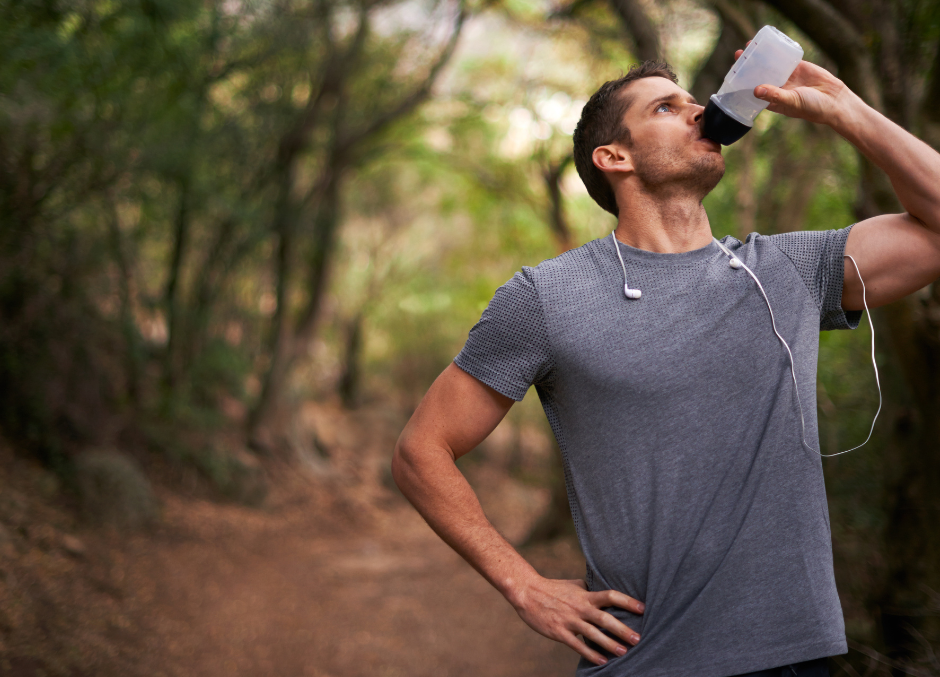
[(700, 511)]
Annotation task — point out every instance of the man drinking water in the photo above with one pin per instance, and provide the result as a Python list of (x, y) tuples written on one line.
[(700, 511)]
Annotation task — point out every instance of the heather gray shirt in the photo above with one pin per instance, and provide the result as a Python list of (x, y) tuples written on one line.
[(680, 434)]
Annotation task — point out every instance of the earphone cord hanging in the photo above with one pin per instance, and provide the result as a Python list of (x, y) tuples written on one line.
[(793, 366), (613, 237), (874, 365)]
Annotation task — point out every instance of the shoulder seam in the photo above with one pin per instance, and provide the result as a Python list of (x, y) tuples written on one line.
[(818, 303)]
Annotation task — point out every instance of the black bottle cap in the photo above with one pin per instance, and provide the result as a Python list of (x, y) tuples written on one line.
[(721, 127)]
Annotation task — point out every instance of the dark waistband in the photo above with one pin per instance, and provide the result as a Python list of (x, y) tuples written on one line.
[(818, 667)]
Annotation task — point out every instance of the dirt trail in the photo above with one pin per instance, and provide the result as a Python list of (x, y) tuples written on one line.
[(391, 600), (333, 577)]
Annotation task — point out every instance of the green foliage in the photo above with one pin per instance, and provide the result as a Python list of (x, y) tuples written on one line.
[(220, 369)]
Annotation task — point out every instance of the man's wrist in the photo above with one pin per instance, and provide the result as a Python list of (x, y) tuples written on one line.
[(517, 586), (850, 116)]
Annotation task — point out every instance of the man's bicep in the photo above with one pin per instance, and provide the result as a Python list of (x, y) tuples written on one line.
[(896, 255), (457, 413)]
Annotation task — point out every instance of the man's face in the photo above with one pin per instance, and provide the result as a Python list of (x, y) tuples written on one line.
[(668, 149)]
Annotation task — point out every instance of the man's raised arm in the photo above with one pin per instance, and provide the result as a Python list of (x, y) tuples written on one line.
[(896, 253), (457, 414)]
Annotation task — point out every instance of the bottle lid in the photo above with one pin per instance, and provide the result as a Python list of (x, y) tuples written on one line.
[(721, 127)]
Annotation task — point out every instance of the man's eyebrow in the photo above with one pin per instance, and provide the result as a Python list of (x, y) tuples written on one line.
[(670, 97)]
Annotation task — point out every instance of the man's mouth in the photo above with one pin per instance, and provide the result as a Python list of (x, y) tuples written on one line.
[(714, 144)]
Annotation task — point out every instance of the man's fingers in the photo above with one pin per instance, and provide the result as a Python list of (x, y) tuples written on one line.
[(739, 52), (781, 100), (610, 644), (618, 599), (572, 641), (769, 93), (562, 610), (609, 623)]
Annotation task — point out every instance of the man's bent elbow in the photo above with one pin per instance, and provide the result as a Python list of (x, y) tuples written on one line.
[(400, 466), (406, 464), (415, 464)]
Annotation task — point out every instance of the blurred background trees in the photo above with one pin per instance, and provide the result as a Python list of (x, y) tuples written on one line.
[(213, 211)]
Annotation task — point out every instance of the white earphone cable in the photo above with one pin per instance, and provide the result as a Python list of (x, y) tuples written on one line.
[(796, 387), (613, 237), (629, 293)]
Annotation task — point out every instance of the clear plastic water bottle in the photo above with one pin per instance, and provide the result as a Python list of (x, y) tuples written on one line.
[(769, 59)]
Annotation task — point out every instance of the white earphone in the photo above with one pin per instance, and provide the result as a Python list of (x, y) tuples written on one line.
[(629, 293), (736, 263)]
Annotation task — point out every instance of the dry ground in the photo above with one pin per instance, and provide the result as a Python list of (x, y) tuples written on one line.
[(334, 575)]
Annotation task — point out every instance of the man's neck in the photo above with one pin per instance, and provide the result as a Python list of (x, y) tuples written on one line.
[(665, 224)]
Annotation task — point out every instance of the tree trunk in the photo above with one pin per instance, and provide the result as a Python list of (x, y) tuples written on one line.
[(125, 293), (637, 25), (181, 231), (352, 363), (171, 295), (557, 220), (278, 339), (325, 226), (211, 277), (911, 496)]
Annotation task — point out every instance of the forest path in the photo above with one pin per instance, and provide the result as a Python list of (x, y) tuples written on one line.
[(334, 575), (388, 599)]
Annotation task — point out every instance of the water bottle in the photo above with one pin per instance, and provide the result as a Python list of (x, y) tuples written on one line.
[(769, 59)]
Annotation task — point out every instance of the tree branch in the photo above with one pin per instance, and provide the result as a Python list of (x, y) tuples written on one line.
[(640, 28), (411, 101), (552, 173), (735, 31), (336, 68), (836, 36), (732, 14)]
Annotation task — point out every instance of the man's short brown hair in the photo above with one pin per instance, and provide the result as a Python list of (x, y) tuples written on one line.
[(602, 123)]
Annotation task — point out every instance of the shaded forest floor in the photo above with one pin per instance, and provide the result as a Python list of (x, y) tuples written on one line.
[(334, 575)]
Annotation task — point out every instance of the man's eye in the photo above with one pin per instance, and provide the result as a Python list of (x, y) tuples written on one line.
[(662, 105)]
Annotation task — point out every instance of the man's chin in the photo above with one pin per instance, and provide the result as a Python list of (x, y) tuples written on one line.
[(710, 172), (697, 176)]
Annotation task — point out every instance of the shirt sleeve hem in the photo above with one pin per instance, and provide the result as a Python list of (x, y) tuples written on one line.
[(488, 378), (838, 317)]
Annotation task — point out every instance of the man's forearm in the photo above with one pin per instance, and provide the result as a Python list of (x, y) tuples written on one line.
[(441, 494), (453, 418), (912, 166)]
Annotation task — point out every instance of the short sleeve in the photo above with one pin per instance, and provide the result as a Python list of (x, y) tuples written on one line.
[(818, 258), (508, 349)]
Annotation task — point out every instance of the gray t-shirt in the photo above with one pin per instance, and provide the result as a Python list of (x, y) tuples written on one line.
[(680, 434)]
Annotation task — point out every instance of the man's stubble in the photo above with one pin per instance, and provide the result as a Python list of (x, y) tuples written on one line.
[(663, 169)]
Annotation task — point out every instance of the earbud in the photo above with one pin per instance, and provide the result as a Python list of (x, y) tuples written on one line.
[(629, 293), (735, 263)]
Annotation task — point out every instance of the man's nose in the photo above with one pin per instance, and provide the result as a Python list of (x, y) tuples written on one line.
[(697, 113)]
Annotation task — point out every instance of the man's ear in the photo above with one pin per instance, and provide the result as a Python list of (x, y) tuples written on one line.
[(612, 158)]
